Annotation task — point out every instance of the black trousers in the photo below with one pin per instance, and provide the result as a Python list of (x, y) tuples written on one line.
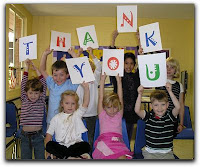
[(61, 151)]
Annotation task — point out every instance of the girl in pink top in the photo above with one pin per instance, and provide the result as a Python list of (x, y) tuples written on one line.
[(110, 144)]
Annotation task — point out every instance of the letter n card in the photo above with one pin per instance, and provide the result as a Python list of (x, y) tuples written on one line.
[(60, 41), (113, 62), (87, 37), (127, 18), (152, 69), (28, 47), (80, 70), (150, 37)]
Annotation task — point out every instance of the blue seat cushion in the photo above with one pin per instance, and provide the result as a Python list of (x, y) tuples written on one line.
[(186, 133)]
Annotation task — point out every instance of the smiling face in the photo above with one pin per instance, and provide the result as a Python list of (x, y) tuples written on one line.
[(69, 104), (59, 76), (33, 96), (128, 65), (159, 107)]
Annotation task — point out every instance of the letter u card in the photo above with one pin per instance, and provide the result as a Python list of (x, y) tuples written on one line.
[(80, 70), (152, 69)]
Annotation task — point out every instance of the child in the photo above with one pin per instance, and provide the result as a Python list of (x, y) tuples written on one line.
[(57, 84), (159, 123), (130, 83), (110, 145), (91, 114), (33, 93), (68, 127)]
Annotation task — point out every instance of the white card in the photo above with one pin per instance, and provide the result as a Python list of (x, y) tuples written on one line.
[(150, 37), (152, 69), (113, 62), (127, 18), (87, 37), (28, 47), (60, 41), (80, 70)]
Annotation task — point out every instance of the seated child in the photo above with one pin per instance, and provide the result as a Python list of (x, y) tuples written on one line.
[(159, 123), (68, 127), (33, 93), (110, 144)]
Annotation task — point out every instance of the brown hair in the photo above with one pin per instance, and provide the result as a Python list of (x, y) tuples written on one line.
[(69, 93), (59, 64), (174, 63), (159, 95), (34, 84), (113, 98)]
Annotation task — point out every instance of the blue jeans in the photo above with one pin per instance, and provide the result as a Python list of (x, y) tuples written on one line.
[(36, 143)]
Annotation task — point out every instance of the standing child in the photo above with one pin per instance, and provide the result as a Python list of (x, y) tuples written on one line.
[(91, 114), (110, 145), (68, 127), (130, 83), (57, 84), (159, 123), (33, 93)]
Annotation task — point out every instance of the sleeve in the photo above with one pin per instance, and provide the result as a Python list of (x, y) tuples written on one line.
[(98, 69), (79, 92), (23, 84), (171, 116), (49, 81), (181, 88), (81, 111), (43, 81), (147, 115), (52, 126)]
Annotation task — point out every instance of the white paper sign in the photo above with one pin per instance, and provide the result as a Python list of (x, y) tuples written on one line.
[(28, 47), (127, 18), (80, 70), (87, 37), (60, 41), (113, 62), (152, 69), (150, 37)]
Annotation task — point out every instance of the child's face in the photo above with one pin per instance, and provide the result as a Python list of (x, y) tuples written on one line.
[(128, 65), (170, 71), (60, 76), (111, 110), (33, 96), (159, 107), (69, 104)]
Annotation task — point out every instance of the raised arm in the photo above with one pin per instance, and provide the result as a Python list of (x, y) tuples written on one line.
[(175, 101), (86, 97), (43, 62), (101, 93), (114, 36), (120, 92), (138, 111)]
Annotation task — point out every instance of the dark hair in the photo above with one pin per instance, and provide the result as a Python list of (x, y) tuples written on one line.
[(159, 95), (59, 64), (34, 84), (130, 55)]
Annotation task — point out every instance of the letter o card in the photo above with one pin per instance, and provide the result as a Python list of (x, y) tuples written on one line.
[(113, 62), (152, 69), (150, 37)]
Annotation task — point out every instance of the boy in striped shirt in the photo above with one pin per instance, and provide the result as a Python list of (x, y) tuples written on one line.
[(33, 93), (159, 123)]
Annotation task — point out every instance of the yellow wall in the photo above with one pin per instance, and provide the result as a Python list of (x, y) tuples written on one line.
[(10, 94), (176, 34)]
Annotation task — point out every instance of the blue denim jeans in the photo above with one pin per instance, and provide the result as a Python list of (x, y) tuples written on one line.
[(35, 143)]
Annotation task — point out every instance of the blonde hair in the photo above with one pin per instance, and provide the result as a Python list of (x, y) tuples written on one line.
[(113, 98), (159, 95), (174, 63), (92, 64), (68, 93)]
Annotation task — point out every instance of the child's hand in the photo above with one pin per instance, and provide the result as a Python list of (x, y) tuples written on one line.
[(118, 78), (80, 51), (48, 51), (27, 62), (115, 34), (85, 85), (140, 50), (140, 90), (90, 49), (168, 87)]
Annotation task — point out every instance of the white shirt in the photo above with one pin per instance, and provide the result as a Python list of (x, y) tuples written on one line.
[(173, 82), (92, 107), (68, 128)]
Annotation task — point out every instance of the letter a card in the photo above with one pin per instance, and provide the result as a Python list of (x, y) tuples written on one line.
[(80, 70), (113, 62), (152, 69), (127, 18), (150, 37), (60, 41), (87, 37), (28, 47)]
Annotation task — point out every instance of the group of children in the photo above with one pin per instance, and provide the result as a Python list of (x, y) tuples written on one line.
[(70, 103)]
